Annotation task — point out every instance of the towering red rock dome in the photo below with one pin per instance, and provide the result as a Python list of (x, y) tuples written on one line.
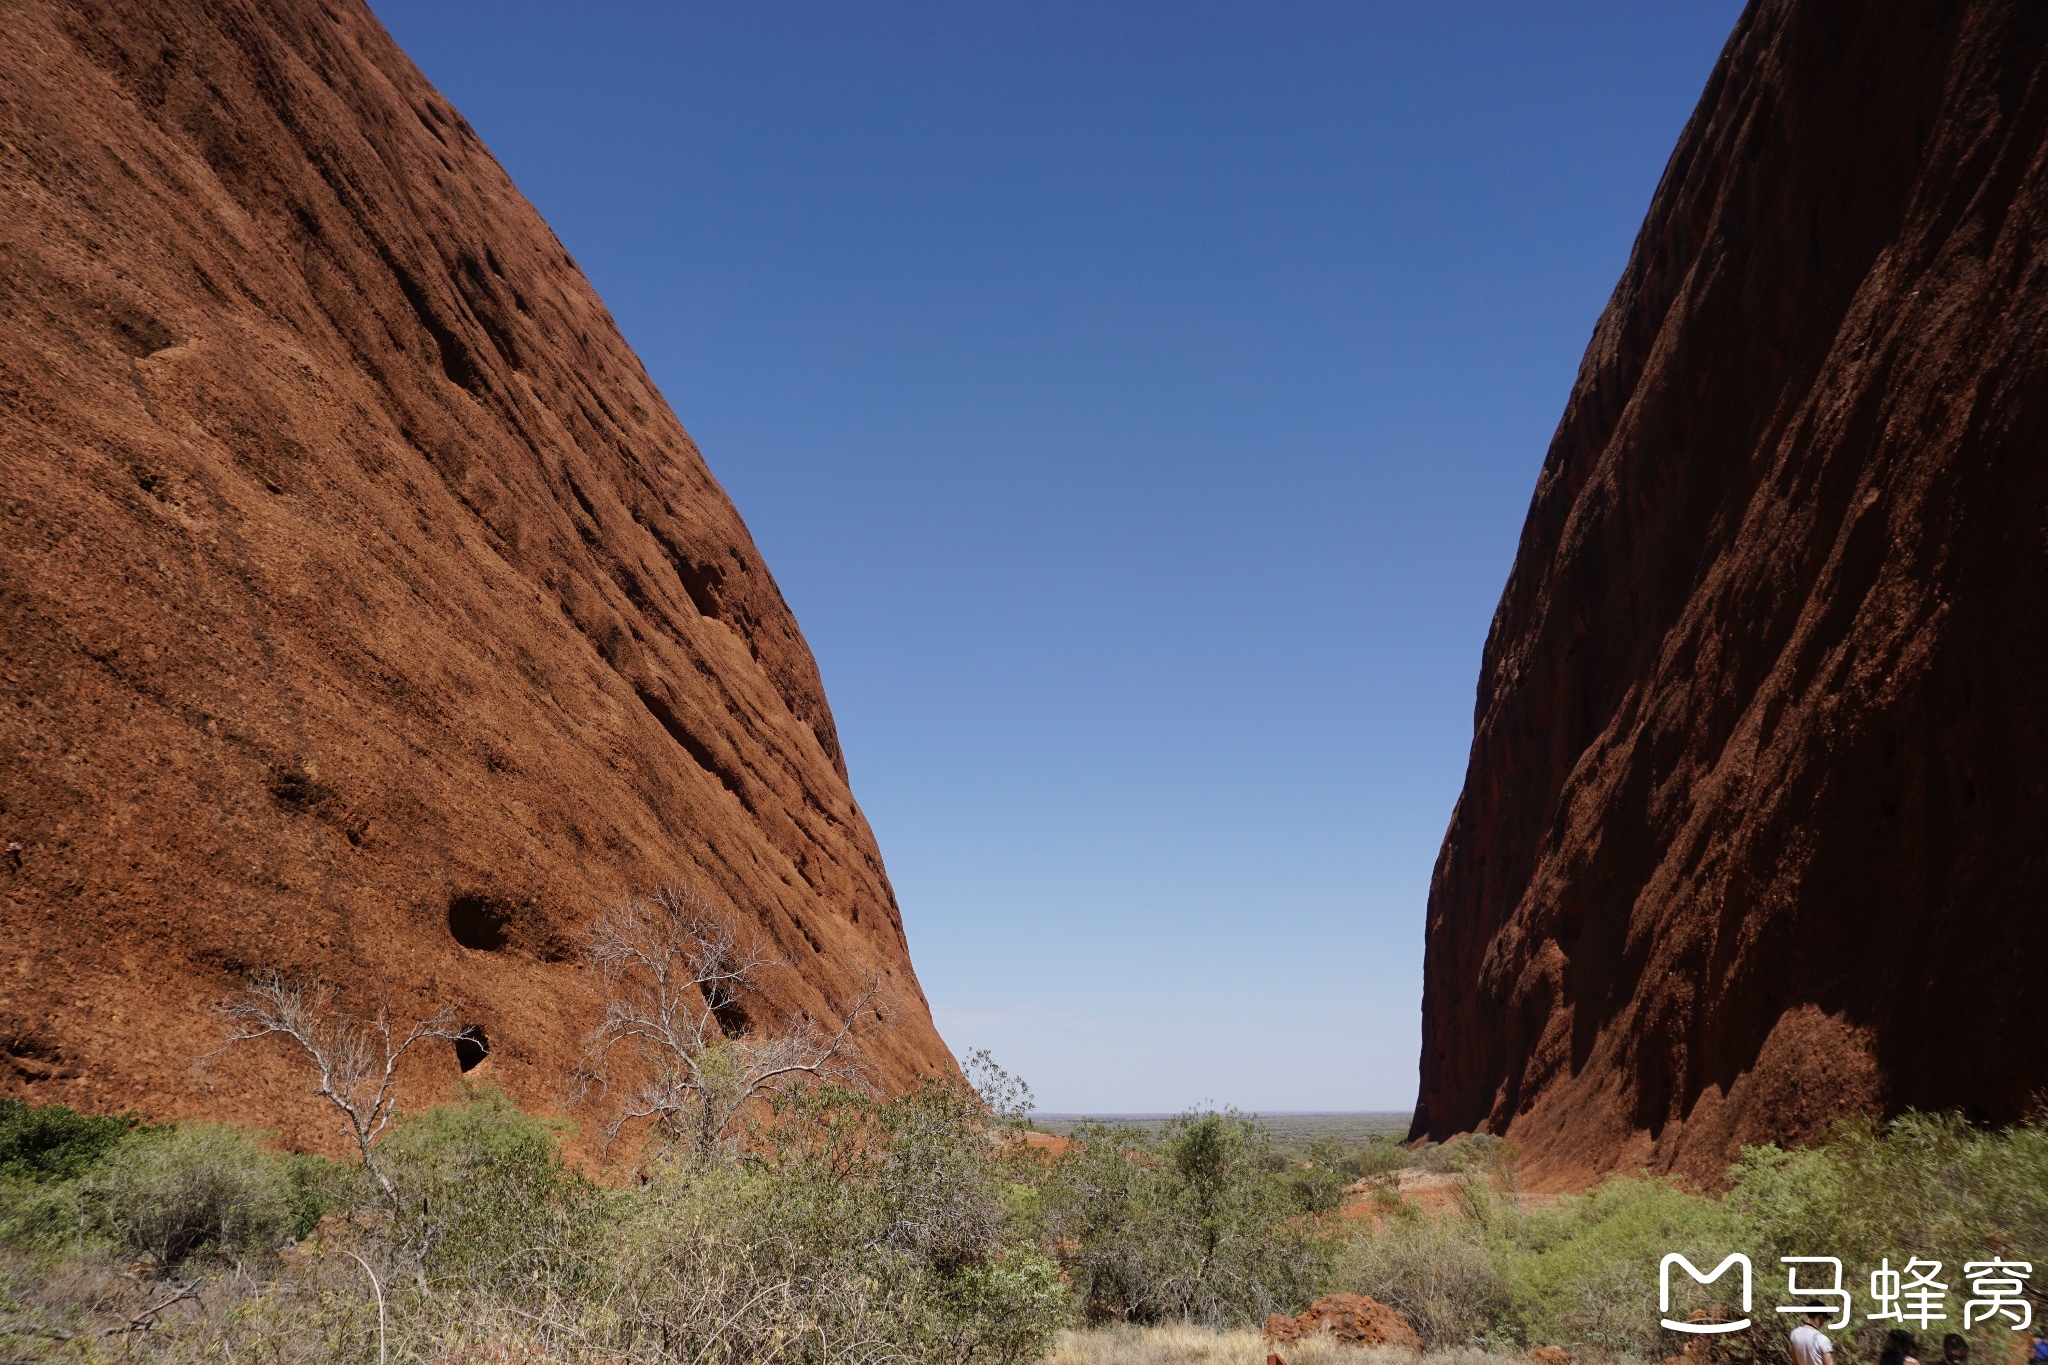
[(1755, 828), (367, 613)]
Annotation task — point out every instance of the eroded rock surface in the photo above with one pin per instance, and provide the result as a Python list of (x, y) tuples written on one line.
[(367, 613), (1755, 829)]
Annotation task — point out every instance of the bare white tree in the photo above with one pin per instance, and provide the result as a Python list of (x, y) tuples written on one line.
[(676, 1038), (355, 1057)]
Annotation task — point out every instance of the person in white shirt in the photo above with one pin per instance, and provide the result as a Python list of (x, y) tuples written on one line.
[(1809, 1347)]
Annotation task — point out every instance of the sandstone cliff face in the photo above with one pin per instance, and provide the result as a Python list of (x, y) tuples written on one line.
[(367, 613), (1755, 828)]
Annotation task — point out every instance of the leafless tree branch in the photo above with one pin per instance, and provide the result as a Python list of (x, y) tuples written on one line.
[(354, 1057), (147, 1318), (676, 1037)]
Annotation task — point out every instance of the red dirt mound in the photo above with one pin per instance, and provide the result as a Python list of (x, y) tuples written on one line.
[(1752, 833), (367, 613), (1350, 1318)]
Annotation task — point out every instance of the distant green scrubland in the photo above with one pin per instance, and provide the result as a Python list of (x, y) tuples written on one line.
[(847, 1227), (766, 1209)]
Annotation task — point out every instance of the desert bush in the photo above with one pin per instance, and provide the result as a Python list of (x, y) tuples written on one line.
[(1466, 1152), (94, 1309), (1446, 1276), (1582, 1273), (917, 1195), (39, 1216), (860, 1229), (353, 1059), (484, 1195), (167, 1194), (1585, 1271), (52, 1142), (1192, 1225), (1379, 1157), (871, 1230), (1932, 1182), (1935, 1186), (1315, 1188), (1328, 1167), (173, 1194), (1184, 1344), (1921, 1185)]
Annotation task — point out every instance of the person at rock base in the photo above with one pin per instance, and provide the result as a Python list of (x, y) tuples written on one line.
[(1898, 1348), (2037, 1347), (1954, 1350), (1809, 1347)]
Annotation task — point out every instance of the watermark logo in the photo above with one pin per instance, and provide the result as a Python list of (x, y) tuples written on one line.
[(1911, 1295), (1914, 1293), (2001, 1293), (1664, 1291), (1809, 1294)]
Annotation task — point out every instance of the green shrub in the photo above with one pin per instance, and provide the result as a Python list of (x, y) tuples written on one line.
[(914, 1228), (1930, 1182), (1446, 1276), (52, 1142), (1922, 1185), (924, 1180), (1585, 1271), (1381, 1156), (44, 1215), (1192, 1224), (1466, 1152), (484, 1194), (862, 1224), (1314, 1188), (860, 1230), (1327, 1167), (172, 1194), (1582, 1273), (167, 1192), (316, 1187)]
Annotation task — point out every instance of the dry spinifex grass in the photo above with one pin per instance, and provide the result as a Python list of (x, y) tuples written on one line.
[(1185, 1345)]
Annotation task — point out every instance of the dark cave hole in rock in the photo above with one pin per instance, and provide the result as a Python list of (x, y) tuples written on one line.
[(472, 1045), (477, 922), (295, 788), (730, 1013)]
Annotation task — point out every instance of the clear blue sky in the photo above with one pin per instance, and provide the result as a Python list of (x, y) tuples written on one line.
[(1138, 404)]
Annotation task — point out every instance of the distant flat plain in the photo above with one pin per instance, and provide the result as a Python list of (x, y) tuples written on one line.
[(1291, 1131)]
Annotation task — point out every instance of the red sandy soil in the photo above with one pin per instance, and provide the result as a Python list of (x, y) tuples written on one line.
[(1052, 1144), (1430, 1193)]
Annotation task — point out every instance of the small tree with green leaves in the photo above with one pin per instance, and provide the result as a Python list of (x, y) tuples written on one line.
[(1196, 1224)]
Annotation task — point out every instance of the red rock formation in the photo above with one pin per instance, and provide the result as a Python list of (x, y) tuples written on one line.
[(1351, 1318), (366, 611), (1755, 829)]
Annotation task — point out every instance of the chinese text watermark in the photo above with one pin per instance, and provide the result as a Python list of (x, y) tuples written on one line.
[(1914, 1292)]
